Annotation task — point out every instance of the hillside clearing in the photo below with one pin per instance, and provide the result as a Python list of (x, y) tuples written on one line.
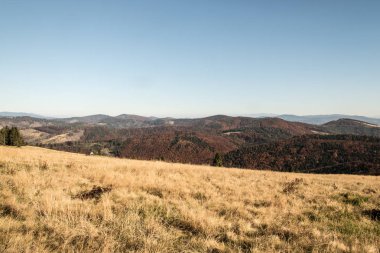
[(55, 201)]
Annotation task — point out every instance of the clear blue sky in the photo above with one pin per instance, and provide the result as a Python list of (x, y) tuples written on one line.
[(190, 57)]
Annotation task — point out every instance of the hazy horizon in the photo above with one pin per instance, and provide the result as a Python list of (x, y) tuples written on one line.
[(193, 115), (190, 59)]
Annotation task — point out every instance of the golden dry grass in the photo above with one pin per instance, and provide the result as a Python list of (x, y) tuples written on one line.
[(34, 136), (164, 207), (65, 137)]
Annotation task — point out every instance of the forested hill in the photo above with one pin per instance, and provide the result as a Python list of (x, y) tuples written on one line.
[(263, 143), (347, 154)]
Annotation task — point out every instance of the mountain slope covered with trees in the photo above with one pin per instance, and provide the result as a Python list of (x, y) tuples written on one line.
[(338, 154), (263, 143)]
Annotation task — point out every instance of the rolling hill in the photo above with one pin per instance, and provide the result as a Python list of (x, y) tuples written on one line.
[(53, 201), (356, 127), (338, 154), (198, 140), (322, 119)]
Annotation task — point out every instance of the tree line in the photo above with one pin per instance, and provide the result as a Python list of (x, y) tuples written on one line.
[(10, 136)]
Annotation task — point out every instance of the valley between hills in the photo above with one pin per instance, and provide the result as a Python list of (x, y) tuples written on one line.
[(342, 146)]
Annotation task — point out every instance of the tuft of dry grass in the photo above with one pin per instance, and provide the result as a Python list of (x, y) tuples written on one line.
[(55, 201)]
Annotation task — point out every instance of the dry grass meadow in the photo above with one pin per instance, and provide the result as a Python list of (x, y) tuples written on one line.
[(54, 201)]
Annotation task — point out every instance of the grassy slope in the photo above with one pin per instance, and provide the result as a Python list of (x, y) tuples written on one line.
[(163, 207)]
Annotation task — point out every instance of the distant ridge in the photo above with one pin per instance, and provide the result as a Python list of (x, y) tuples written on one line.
[(23, 114), (322, 119), (308, 119), (339, 146)]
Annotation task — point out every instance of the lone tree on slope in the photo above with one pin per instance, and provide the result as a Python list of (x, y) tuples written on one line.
[(218, 161)]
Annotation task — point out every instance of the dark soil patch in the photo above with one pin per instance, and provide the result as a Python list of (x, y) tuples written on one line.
[(7, 210), (354, 199), (155, 192), (292, 186), (373, 214), (95, 193)]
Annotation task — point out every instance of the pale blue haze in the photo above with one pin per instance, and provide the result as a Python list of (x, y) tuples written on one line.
[(190, 57)]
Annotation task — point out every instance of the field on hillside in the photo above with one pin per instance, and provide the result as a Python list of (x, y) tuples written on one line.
[(54, 201)]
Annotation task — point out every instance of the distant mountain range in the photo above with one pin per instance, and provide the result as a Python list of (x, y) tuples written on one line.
[(23, 114), (309, 119), (338, 146), (322, 119)]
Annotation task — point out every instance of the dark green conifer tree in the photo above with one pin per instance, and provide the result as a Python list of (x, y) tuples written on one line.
[(11, 137), (218, 161), (6, 135), (2, 136), (15, 137)]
